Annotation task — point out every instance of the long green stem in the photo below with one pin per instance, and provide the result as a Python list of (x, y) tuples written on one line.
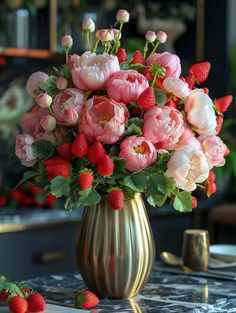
[(155, 47), (145, 49), (96, 46), (154, 79), (88, 40), (67, 54)]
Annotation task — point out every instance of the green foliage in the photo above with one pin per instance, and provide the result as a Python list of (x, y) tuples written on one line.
[(160, 95), (26, 176), (60, 186), (71, 203), (183, 201), (43, 149), (132, 130), (89, 197), (136, 181), (49, 86)]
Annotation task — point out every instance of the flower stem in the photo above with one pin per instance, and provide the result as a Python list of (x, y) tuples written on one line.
[(88, 40), (96, 46), (155, 47), (154, 79), (145, 49)]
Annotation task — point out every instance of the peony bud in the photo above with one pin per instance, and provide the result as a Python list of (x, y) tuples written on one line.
[(161, 36), (73, 61), (116, 33), (122, 16), (61, 83), (88, 24), (105, 35), (150, 36), (44, 100), (67, 42), (48, 122)]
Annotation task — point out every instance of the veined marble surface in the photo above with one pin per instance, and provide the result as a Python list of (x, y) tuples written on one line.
[(165, 293)]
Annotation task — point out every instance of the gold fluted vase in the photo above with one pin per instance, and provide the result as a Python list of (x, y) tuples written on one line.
[(115, 249)]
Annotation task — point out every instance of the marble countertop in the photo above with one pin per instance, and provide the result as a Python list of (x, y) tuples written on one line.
[(165, 293)]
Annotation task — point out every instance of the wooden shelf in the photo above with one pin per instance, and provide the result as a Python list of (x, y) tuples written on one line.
[(25, 53)]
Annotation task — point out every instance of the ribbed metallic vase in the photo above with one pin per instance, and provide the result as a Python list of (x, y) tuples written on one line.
[(115, 249)]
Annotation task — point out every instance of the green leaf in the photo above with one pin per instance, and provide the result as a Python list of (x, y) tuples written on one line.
[(164, 184), (60, 186), (26, 176), (114, 150), (135, 120), (71, 204), (49, 86), (43, 149), (133, 130), (156, 199), (129, 193), (183, 201), (89, 197), (11, 287), (120, 163), (160, 95), (137, 67), (136, 181), (124, 65)]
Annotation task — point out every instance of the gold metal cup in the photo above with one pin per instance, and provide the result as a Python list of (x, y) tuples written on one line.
[(195, 250)]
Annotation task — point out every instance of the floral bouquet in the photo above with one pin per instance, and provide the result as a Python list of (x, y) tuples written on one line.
[(105, 126)]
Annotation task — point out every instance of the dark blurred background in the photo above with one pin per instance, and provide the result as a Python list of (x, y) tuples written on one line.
[(37, 236)]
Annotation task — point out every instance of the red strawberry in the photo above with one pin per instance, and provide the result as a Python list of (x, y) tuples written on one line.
[(210, 188), (138, 58), (212, 177), (95, 152), (148, 73), (135, 111), (121, 55), (64, 151), (36, 303), (206, 90), (4, 294), (57, 167), (171, 103), (190, 80), (219, 121), (194, 205), (79, 147), (105, 166), (200, 71), (147, 98), (18, 305), (3, 201), (223, 103), (85, 299), (116, 199), (85, 179), (50, 200)]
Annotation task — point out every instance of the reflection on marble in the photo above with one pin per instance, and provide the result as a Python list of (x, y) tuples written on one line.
[(165, 293)]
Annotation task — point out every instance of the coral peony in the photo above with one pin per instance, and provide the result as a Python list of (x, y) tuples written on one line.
[(103, 119), (126, 86), (24, 149), (93, 70), (163, 126), (138, 152)]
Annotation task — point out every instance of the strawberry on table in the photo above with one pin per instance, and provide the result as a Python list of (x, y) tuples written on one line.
[(4, 295), (36, 303), (116, 199), (147, 98), (18, 304), (85, 299), (86, 179), (222, 104), (200, 71)]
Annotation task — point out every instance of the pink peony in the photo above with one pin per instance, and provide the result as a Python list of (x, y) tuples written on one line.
[(61, 83), (34, 81), (188, 166), (56, 137), (176, 86), (214, 149), (138, 152), (30, 121), (103, 119), (48, 122), (126, 86), (200, 112), (163, 126), (24, 150), (166, 59), (67, 106), (73, 61), (93, 70), (188, 138)]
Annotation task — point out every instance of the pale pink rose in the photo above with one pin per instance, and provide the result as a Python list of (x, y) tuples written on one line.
[(67, 42), (73, 61), (166, 59), (61, 83), (150, 36), (24, 150), (161, 36), (67, 106), (214, 149), (34, 81), (176, 86), (103, 119), (105, 35), (163, 126), (88, 24), (56, 137), (126, 86), (188, 166), (200, 112), (44, 100), (122, 16), (138, 152), (48, 122), (94, 70), (30, 121)]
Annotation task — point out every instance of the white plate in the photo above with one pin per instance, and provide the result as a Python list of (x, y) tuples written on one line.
[(225, 253)]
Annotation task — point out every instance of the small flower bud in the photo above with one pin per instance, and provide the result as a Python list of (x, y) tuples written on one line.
[(161, 36), (150, 36), (48, 122), (122, 16), (61, 83), (116, 33), (88, 24), (44, 100), (67, 42), (73, 61), (105, 35)]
